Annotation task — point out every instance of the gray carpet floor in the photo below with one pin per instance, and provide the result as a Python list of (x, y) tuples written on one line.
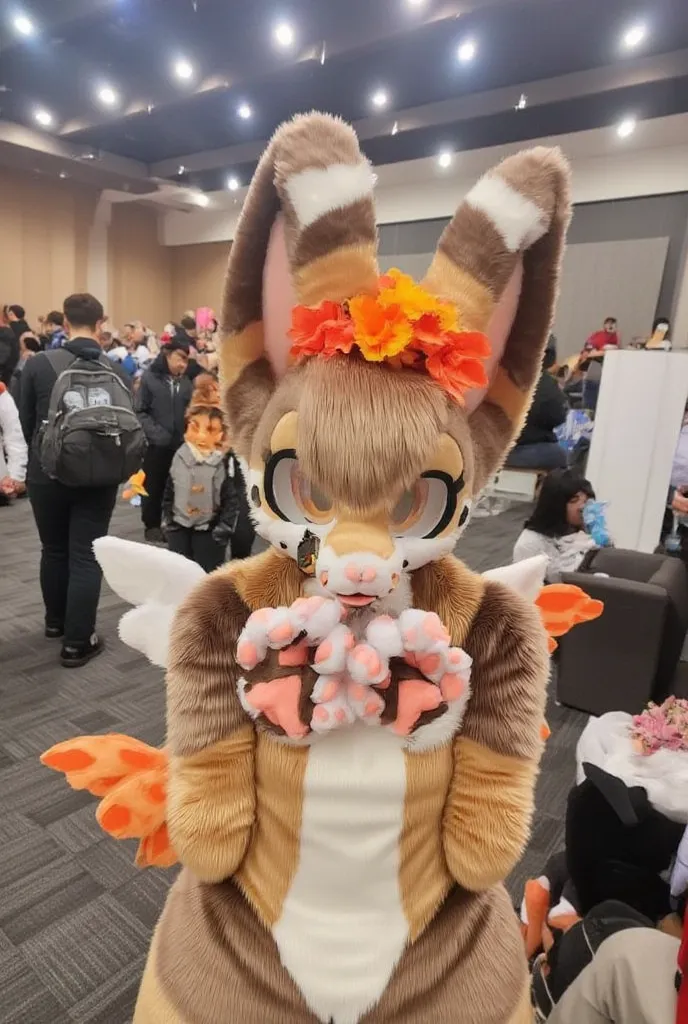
[(75, 913)]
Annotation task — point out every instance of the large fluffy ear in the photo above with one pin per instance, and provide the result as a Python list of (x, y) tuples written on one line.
[(499, 261), (307, 233)]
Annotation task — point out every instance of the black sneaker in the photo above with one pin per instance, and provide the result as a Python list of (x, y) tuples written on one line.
[(154, 535), (77, 656), (54, 632)]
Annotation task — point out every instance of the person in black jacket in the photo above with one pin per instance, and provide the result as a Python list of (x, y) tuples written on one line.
[(9, 354), (69, 519), (161, 403), (537, 447), (16, 318)]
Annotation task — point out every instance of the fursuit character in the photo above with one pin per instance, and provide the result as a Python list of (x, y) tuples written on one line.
[(354, 718)]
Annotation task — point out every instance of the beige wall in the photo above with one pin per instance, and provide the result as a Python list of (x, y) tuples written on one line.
[(197, 275), (44, 230), (139, 268)]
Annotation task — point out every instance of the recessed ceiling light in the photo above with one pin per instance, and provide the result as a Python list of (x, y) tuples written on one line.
[(181, 169), (522, 102), (183, 69), (108, 96), (445, 158), (633, 36), (415, 3), (626, 127), (323, 53), (23, 25), (380, 99), (202, 199), (283, 34), (44, 117), (244, 111), (233, 184), (63, 175), (466, 51), (395, 128)]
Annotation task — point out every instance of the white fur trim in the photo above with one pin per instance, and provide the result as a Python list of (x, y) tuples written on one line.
[(527, 578), (316, 191), (343, 927), (519, 221)]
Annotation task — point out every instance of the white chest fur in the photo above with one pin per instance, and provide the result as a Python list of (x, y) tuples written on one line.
[(343, 928)]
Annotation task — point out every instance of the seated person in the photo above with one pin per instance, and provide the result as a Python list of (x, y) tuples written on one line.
[(600, 340), (556, 526), (537, 447)]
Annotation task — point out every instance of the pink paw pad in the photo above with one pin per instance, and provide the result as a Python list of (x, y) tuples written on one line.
[(281, 633), (247, 654), (429, 664), (321, 714), (451, 686), (323, 652), (415, 697), (294, 656), (368, 659), (432, 627)]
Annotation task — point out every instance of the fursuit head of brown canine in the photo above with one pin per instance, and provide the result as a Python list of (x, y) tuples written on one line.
[(359, 471)]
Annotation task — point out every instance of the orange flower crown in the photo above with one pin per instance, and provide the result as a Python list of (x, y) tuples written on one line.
[(402, 325)]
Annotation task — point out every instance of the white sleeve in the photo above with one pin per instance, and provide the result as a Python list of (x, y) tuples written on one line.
[(16, 451), (530, 544)]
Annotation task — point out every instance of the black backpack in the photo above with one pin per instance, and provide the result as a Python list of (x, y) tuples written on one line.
[(92, 437)]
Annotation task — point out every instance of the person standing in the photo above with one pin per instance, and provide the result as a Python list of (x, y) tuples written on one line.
[(53, 333), (161, 403), (16, 318), (70, 518)]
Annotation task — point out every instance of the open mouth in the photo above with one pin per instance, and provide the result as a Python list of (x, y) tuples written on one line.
[(356, 600)]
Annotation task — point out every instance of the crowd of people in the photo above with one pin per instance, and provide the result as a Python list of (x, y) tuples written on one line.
[(82, 407)]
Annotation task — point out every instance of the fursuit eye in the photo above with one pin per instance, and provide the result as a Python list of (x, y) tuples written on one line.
[(427, 508), (290, 495)]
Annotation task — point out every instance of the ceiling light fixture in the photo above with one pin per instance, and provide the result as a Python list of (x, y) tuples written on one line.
[(522, 102), (233, 184), (108, 96), (283, 35), (181, 169), (626, 127), (44, 117), (202, 199), (445, 159), (380, 99), (23, 25), (466, 51), (633, 36), (323, 53), (415, 3), (244, 111), (183, 69), (395, 128)]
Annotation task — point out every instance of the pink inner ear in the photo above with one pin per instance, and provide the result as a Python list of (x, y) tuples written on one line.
[(278, 299), (498, 331)]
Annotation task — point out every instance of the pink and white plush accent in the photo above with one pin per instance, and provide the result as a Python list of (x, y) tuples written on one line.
[(277, 628)]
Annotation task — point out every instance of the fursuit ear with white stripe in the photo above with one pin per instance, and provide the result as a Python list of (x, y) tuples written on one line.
[(306, 234), (499, 260)]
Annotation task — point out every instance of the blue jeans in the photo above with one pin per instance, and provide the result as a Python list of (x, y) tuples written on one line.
[(543, 455)]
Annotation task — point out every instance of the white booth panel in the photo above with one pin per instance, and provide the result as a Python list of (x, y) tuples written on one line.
[(637, 424)]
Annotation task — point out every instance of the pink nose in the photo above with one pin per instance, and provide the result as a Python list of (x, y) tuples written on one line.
[(365, 575)]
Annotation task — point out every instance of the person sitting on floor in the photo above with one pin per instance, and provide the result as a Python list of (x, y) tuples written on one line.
[(537, 447), (200, 504), (556, 526)]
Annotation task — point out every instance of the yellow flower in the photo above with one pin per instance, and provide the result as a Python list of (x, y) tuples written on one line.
[(398, 289), (380, 331)]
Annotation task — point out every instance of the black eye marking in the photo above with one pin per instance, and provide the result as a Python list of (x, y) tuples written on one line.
[(255, 496), (464, 515), (283, 545), (405, 565), (271, 466)]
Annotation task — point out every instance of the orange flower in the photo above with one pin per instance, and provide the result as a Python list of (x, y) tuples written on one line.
[(455, 371), (380, 331), (320, 331)]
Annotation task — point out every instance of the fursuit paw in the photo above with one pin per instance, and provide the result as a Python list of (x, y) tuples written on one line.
[(368, 663), (427, 647), (306, 623)]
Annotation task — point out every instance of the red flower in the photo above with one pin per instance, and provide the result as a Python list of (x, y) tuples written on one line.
[(324, 330), (456, 371)]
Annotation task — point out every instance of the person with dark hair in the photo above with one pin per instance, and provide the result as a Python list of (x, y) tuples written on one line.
[(555, 528), (606, 338), (16, 318), (29, 345), (161, 403), (537, 447), (188, 326), (53, 334), (69, 518), (659, 340)]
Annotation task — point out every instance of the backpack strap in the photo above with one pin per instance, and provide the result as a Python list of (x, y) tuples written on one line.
[(60, 359)]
